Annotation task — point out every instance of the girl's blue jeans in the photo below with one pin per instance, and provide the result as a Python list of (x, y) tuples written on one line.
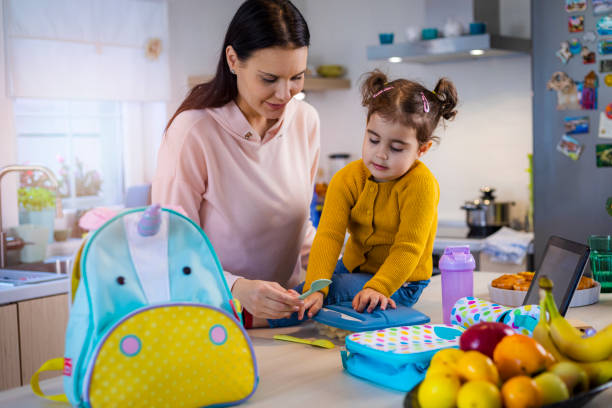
[(345, 286)]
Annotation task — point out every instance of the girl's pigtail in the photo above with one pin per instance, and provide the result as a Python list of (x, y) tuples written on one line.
[(373, 85), (446, 94)]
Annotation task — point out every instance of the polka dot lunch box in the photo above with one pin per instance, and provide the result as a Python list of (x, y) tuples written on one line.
[(397, 357), (469, 311)]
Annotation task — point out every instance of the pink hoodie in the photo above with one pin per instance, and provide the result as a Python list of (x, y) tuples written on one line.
[(250, 195)]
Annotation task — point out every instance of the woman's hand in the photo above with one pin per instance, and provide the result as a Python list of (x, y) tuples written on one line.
[(313, 304), (373, 298), (267, 300)]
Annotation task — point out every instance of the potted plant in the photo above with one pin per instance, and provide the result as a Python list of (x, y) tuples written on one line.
[(36, 206)]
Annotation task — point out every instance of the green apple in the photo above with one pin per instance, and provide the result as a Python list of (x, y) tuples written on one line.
[(574, 376), (552, 388), (439, 390)]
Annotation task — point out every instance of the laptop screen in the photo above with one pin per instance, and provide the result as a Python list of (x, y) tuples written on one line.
[(563, 262)]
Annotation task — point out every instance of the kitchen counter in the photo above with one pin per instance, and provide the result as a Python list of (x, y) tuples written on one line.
[(11, 294), (298, 375)]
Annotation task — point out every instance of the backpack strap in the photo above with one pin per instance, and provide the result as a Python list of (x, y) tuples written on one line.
[(76, 270), (55, 364)]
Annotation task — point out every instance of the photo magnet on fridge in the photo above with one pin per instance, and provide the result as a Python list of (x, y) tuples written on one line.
[(570, 147), (604, 155), (604, 26), (609, 205), (588, 91), (575, 5), (576, 124), (564, 52), (567, 91), (588, 56), (605, 123), (588, 37), (601, 7), (575, 24), (608, 80), (604, 47), (605, 65)]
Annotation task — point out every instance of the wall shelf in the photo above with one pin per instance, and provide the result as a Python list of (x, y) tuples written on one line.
[(311, 84)]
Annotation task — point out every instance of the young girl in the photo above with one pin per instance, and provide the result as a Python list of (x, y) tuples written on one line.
[(387, 200)]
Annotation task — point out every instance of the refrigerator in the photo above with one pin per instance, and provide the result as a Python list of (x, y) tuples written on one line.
[(572, 183)]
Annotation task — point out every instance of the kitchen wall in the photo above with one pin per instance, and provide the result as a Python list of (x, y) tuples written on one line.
[(8, 144), (488, 142)]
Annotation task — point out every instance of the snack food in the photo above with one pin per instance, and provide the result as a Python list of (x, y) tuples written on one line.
[(522, 280)]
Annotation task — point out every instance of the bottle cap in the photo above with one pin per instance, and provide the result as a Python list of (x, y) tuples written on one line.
[(457, 258)]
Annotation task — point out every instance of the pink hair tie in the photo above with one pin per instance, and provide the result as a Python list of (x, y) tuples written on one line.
[(425, 103), (381, 91)]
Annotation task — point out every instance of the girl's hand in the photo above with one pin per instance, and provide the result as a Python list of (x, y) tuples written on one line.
[(373, 298), (267, 300), (313, 304)]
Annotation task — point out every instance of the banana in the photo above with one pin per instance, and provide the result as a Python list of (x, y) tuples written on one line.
[(599, 372), (541, 334), (570, 342)]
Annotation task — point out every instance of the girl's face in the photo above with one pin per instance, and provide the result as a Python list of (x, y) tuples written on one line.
[(390, 148), (268, 79)]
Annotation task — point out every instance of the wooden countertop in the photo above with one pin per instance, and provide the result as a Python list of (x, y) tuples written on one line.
[(297, 375)]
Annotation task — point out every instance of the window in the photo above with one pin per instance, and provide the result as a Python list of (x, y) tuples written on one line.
[(80, 141)]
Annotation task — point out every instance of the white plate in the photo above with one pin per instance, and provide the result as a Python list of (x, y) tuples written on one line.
[(515, 298)]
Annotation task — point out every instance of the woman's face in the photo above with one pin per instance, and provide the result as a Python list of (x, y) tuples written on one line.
[(268, 79), (390, 148)]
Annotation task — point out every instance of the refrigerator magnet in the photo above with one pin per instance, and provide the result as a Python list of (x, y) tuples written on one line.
[(609, 205), (588, 91), (605, 123), (570, 147), (588, 37), (588, 56), (576, 124), (608, 80), (604, 47), (575, 5), (575, 24), (602, 7), (604, 26), (564, 52), (605, 65), (603, 153), (567, 91)]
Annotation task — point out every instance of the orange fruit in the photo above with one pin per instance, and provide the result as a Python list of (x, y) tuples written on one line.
[(474, 365), (521, 392), (520, 355)]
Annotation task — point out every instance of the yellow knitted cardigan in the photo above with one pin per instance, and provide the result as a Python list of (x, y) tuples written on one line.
[(392, 226)]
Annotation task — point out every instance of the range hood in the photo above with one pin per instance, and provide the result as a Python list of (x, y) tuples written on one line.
[(491, 44)]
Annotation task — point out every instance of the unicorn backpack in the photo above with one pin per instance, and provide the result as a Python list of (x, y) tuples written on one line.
[(153, 322)]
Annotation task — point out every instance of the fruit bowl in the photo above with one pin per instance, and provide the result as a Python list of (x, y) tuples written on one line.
[(578, 400)]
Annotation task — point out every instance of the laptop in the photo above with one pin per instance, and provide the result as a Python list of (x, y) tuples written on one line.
[(563, 262)]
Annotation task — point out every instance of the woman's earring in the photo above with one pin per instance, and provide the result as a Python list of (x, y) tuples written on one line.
[(232, 71)]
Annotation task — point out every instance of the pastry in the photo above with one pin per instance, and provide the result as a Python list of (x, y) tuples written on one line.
[(506, 281)]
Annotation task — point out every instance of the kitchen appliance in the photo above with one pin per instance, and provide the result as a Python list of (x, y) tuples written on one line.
[(484, 216), (569, 195)]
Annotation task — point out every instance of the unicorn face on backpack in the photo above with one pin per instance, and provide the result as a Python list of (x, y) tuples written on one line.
[(153, 322)]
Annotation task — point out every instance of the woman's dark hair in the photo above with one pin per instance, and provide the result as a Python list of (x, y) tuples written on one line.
[(407, 102), (257, 24)]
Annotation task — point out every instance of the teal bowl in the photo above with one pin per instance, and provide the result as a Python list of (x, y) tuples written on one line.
[(385, 38)]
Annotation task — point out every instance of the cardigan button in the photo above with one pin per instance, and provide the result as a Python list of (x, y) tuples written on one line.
[(248, 135)]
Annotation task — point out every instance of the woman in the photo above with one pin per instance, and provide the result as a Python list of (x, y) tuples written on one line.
[(240, 156)]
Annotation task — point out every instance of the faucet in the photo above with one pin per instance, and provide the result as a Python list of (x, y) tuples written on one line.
[(18, 168)]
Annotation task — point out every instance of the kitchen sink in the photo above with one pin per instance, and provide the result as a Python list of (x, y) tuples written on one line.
[(29, 273)]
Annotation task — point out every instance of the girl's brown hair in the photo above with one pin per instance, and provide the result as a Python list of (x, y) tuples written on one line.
[(407, 102)]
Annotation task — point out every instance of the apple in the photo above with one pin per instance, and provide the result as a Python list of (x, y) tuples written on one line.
[(484, 337), (552, 388), (573, 375)]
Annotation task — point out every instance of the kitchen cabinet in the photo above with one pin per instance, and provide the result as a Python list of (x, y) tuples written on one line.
[(311, 84), (10, 370), (31, 332)]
